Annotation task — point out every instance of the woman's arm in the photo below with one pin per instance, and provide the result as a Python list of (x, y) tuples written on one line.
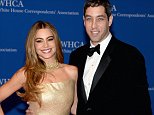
[(15, 83), (74, 73), (1, 111), (74, 106)]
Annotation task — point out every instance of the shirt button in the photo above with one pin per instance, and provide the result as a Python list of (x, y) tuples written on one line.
[(89, 109)]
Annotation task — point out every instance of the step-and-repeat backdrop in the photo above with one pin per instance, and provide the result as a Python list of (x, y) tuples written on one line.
[(133, 24)]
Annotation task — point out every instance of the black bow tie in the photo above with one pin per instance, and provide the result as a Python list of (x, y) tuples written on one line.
[(94, 49)]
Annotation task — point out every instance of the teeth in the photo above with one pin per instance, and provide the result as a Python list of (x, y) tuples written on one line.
[(46, 51), (94, 32)]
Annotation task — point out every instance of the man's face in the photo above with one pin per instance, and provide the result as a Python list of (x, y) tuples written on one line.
[(97, 23)]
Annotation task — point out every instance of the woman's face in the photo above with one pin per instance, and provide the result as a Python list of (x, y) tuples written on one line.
[(45, 44)]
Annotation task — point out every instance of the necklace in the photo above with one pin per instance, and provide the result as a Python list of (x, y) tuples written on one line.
[(52, 66)]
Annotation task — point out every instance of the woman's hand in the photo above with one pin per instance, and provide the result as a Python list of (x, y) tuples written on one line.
[(28, 111)]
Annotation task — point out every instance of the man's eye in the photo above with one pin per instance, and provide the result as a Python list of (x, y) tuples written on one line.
[(100, 19), (88, 19)]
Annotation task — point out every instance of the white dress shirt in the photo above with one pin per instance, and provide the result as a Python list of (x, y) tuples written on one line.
[(92, 64)]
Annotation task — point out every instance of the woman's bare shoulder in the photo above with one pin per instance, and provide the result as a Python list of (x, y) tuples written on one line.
[(71, 70), (21, 71), (20, 74), (70, 67)]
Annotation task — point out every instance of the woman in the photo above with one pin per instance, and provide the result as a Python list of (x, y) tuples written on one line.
[(50, 85)]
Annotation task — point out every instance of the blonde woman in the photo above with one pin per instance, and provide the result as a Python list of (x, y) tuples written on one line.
[(50, 85)]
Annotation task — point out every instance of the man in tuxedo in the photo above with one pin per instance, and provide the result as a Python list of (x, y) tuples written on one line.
[(111, 77)]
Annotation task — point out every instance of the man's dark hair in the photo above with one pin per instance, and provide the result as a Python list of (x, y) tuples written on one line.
[(95, 3)]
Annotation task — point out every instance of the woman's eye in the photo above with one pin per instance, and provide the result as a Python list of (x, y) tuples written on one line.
[(50, 39), (38, 41)]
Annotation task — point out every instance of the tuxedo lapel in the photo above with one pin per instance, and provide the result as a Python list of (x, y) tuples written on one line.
[(100, 70), (81, 71), (83, 93), (104, 62)]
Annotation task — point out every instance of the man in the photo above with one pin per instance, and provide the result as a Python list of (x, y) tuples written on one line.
[(113, 80)]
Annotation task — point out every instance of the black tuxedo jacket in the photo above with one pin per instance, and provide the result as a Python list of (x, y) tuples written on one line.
[(119, 85)]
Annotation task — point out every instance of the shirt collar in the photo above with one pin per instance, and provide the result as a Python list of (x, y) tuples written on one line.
[(103, 42)]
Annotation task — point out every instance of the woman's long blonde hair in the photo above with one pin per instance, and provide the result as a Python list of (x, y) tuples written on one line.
[(34, 66)]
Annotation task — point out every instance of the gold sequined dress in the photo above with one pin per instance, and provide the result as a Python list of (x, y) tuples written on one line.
[(56, 98)]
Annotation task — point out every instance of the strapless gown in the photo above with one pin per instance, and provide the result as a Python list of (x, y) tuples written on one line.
[(56, 98)]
